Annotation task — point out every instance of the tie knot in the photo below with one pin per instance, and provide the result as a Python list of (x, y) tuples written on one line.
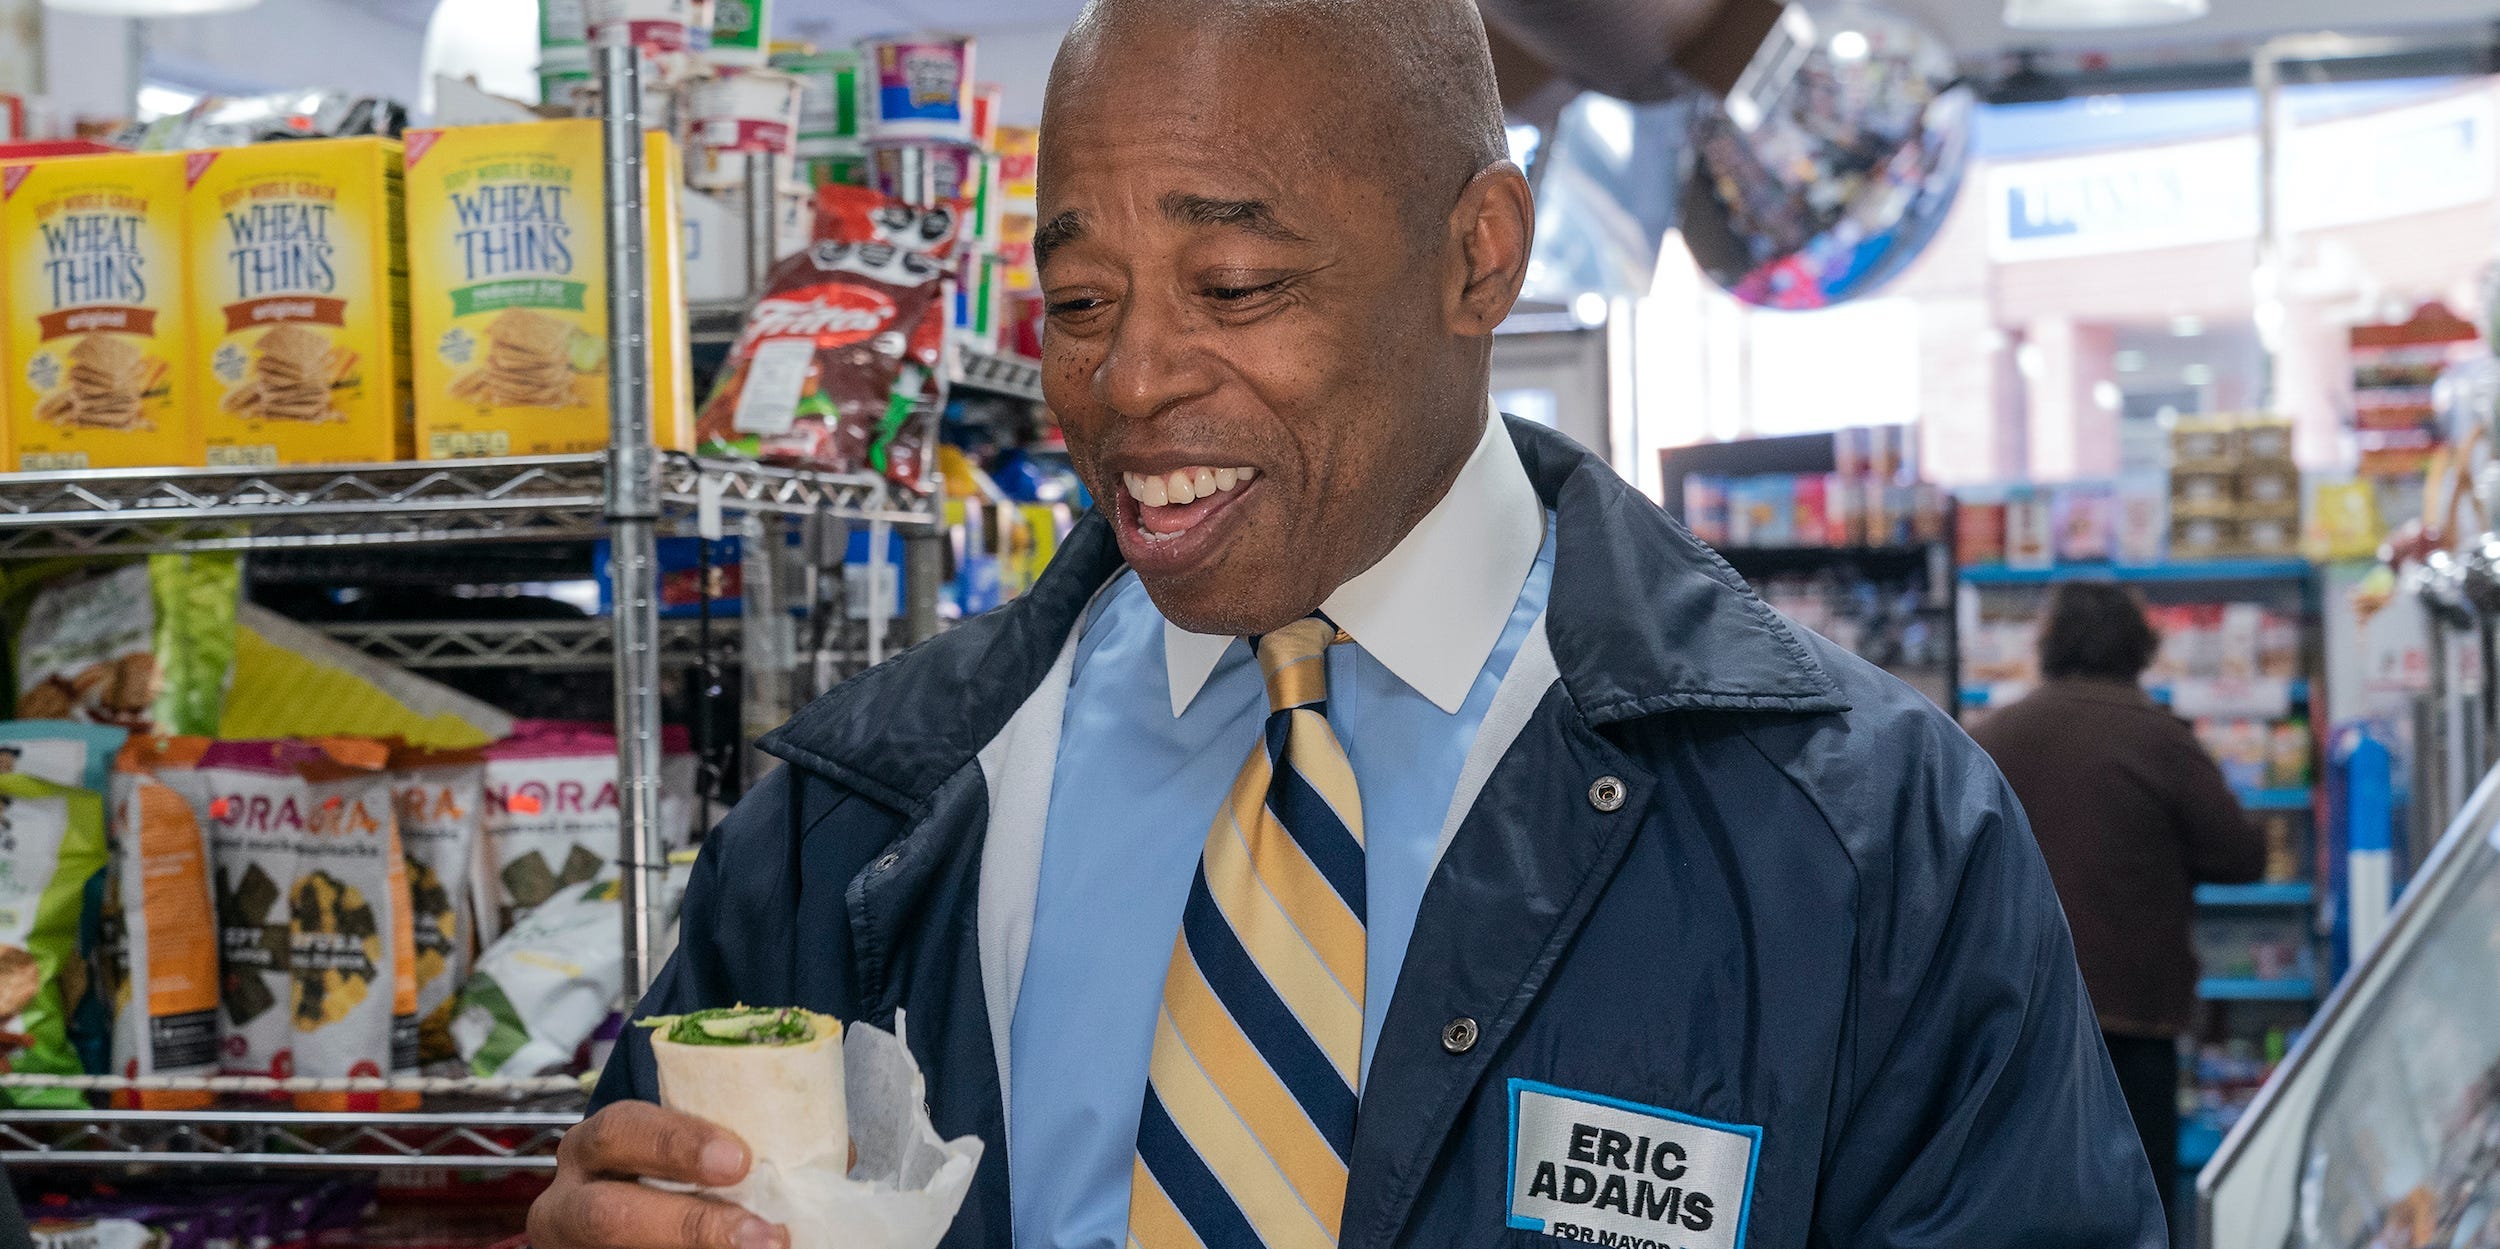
[(1292, 659)]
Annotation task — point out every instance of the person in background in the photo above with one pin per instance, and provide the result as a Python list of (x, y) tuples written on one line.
[(2132, 815)]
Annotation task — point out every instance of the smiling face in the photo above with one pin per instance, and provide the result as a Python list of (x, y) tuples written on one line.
[(1267, 349)]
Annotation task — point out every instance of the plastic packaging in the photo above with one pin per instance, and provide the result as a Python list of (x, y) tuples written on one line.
[(440, 800), (549, 816), (919, 89), (64, 752), (52, 838), (160, 931)]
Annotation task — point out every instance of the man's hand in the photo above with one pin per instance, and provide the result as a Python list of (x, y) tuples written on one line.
[(598, 1202)]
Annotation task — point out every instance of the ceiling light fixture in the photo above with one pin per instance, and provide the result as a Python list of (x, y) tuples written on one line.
[(2099, 14)]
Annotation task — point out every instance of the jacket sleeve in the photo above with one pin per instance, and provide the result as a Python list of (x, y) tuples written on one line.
[(700, 974), (1982, 1107), (2222, 846)]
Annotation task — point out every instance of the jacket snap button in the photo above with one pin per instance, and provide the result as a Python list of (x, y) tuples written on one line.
[(887, 863), (1459, 1036), (1607, 794)]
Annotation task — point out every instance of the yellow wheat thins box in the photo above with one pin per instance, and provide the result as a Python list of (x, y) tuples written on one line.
[(507, 248), (299, 283), (97, 344)]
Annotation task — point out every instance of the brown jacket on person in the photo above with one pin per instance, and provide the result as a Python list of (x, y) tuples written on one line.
[(2132, 815)]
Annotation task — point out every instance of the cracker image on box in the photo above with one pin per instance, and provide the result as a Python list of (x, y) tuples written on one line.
[(300, 278), (508, 286), (96, 298)]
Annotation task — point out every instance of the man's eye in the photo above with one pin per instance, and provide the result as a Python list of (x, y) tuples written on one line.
[(1236, 294), (1063, 307)]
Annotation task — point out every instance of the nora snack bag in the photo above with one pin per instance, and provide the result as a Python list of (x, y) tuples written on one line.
[(309, 863), (550, 814), (299, 282), (96, 300), (440, 801), (160, 922), (51, 845), (507, 250)]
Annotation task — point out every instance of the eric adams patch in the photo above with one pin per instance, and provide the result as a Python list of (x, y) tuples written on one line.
[(1607, 1171)]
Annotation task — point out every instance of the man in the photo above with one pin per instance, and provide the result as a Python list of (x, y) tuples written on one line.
[(1527, 880), (2131, 815)]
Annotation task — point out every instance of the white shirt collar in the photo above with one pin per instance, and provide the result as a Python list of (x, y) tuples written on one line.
[(1432, 610)]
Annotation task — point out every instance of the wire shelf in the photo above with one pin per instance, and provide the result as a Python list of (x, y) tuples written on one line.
[(478, 1139), (1013, 376), (536, 498), (539, 645)]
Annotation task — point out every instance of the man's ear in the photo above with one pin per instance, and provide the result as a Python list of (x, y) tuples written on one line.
[(1491, 231)]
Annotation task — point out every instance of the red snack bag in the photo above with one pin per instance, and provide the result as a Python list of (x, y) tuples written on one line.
[(844, 343)]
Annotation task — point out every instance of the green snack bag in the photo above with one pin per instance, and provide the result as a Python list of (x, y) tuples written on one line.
[(51, 845)]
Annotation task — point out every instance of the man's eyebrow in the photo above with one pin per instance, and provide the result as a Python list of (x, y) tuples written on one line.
[(1255, 216), (1056, 233)]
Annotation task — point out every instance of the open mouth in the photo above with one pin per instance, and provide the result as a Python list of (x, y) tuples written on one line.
[(1171, 521)]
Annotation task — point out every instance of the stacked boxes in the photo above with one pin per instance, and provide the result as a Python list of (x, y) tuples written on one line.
[(2234, 489)]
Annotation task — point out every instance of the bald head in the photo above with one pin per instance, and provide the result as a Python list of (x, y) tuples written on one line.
[(1404, 87)]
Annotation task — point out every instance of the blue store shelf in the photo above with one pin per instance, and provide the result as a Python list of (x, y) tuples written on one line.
[(2231, 989), (2286, 893), (2200, 570), (1980, 696), (2198, 1143), (2275, 799)]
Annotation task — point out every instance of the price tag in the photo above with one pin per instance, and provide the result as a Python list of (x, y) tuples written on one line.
[(708, 491), (768, 400)]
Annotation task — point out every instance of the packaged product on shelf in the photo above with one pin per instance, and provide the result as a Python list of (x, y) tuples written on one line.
[(550, 813), (160, 922), (737, 116), (1844, 511), (1019, 159), (2282, 853), (543, 990), (1979, 529), (1806, 526), (563, 26), (2263, 441), (2030, 533), (1762, 511), (839, 354), (2279, 647), (1853, 450), (64, 752), (54, 837), (2203, 444), (2202, 537), (742, 33), (2203, 494), (312, 895), (829, 101), (145, 647), (1705, 508), (2081, 513), (292, 681), (565, 82), (440, 798), (919, 89), (2269, 488), (931, 173), (2270, 535), (197, 1214), (97, 343), (834, 162), (507, 248), (2288, 755), (2142, 503), (668, 33), (299, 277)]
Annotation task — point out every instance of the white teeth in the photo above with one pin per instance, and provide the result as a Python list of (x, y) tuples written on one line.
[(1186, 485)]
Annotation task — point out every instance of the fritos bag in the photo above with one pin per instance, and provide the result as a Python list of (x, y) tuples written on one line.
[(440, 797), (844, 344), (309, 863), (160, 923)]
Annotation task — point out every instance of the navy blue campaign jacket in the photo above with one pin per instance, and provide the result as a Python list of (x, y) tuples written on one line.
[(1795, 978)]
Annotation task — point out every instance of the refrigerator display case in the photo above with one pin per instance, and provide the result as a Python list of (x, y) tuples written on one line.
[(2382, 1129)]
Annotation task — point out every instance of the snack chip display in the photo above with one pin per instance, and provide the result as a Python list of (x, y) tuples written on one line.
[(550, 814), (299, 270), (160, 931), (543, 987), (312, 891), (64, 752), (507, 247), (53, 839), (97, 301), (840, 352), (440, 800), (146, 647)]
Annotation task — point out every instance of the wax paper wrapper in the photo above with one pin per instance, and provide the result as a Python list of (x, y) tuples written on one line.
[(907, 1185)]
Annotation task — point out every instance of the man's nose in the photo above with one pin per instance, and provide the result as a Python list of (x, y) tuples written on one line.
[(1156, 360)]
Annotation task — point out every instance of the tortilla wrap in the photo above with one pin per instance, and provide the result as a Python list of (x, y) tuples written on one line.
[(785, 1100)]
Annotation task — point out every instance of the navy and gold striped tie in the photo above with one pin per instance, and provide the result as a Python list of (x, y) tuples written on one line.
[(1250, 1101)]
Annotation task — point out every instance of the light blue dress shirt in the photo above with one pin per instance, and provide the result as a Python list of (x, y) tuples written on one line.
[(1135, 790)]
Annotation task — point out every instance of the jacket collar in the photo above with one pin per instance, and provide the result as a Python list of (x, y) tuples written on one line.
[(1643, 620)]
